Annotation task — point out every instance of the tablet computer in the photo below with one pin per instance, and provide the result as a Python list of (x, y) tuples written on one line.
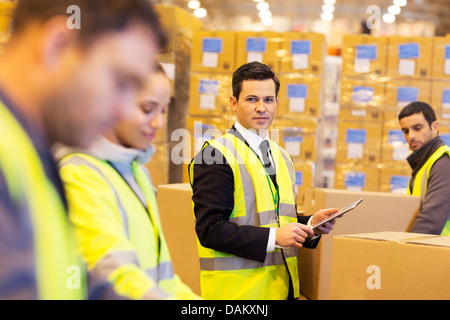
[(339, 213)]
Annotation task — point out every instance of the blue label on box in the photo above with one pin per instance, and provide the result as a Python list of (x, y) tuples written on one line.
[(399, 182), (293, 138), (298, 178), (396, 136), (300, 47), (362, 94), (446, 96), (355, 179), (256, 44), (446, 138), (212, 45), (297, 91), (209, 86), (447, 52), (407, 94), (366, 52), (408, 51), (356, 136)]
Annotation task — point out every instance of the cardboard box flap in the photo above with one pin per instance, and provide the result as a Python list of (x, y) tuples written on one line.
[(391, 236), (437, 241)]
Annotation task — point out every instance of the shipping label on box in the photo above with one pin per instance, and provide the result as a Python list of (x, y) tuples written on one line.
[(440, 99), (395, 149), (299, 138), (258, 46), (441, 58)]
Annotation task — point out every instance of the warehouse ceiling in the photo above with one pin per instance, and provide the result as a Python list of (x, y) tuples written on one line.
[(222, 13)]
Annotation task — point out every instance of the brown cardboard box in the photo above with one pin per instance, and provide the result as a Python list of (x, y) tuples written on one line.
[(177, 219), (390, 266), (410, 56), (304, 179), (362, 99), (395, 179), (299, 138), (209, 94), (441, 69), (213, 51), (364, 55), (395, 149), (379, 211), (302, 52), (440, 99), (299, 96), (357, 177), (258, 46), (359, 142), (400, 92)]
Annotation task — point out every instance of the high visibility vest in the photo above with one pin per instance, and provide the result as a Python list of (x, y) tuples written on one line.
[(256, 203), (60, 273), (421, 180), (119, 238)]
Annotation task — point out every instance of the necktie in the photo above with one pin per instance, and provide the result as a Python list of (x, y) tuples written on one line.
[(264, 146)]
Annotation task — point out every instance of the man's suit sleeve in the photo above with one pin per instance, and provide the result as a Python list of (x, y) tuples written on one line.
[(213, 197)]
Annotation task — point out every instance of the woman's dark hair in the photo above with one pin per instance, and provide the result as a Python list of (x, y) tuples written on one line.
[(418, 107), (97, 16), (252, 71)]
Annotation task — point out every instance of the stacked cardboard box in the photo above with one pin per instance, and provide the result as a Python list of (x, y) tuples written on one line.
[(6, 13), (180, 25)]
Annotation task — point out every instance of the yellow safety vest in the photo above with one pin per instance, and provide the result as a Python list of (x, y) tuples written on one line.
[(119, 238), (59, 271), (256, 203), (421, 180)]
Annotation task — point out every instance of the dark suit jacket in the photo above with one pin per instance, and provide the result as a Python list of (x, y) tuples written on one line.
[(213, 199)]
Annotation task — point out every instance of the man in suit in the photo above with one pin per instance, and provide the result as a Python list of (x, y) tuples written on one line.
[(244, 203)]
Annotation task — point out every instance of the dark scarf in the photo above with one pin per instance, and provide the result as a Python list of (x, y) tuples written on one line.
[(418, 158)]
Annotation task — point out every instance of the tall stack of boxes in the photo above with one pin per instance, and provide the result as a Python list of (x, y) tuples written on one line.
[(296, 58)]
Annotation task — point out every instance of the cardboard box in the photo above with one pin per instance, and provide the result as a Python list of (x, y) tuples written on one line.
[(359, 142), (410, 56), (178, 223), (209, 94), (302, 52), (299, 96), (395, 149), (258, 46), (441, 58), (395, 179), (379, 211), (158, 166), (440, 99), (362, 99), (364, 55), (390, 266), (401, 92), (213, 51), (304, 179), (357, 177), (299, 138)]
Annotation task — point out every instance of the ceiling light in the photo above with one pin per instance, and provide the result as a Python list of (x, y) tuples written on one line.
[(265, 14), (258, 0), (388, 18), (261, 6), (267, 21), (200, 12), (400, 3), (193, 4), (328, 8), (394, 10), (329, 1), (327, 16)]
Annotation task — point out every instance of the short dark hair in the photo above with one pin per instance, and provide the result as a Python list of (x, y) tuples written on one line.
[(97, 16), (418, 107), (252, 71)]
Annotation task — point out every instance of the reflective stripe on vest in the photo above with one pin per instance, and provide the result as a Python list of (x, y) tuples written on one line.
[(137, 222), (256, 204), (420, 185), (59, 271)]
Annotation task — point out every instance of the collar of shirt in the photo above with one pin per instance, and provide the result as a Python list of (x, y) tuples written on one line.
[(253, 139)]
